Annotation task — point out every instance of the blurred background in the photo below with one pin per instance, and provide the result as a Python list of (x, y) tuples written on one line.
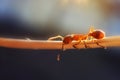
[(44, 18), (40, 19)]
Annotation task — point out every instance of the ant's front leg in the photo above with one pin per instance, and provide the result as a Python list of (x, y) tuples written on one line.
[(101, 45), (56, 37)]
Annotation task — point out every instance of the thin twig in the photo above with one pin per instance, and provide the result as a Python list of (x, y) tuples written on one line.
[(45, 44)]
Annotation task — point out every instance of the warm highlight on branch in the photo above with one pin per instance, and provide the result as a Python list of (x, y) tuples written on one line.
[(44, 44)]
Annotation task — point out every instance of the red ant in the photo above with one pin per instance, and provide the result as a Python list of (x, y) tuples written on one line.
[(93, 34)]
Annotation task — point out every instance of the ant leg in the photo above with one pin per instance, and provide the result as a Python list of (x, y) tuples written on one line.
[(59, 55), (100, 45), (63, 49), (55, 37), (58, 37), (86, 46), (74, 45)]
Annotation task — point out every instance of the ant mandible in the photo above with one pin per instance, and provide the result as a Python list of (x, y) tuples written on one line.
[(93, 34)]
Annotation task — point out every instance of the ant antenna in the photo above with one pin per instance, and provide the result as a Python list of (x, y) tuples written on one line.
[(91, 29)]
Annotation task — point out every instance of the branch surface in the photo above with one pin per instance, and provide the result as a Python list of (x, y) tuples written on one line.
[(112, 41)]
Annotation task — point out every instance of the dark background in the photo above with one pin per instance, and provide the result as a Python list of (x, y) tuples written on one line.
[(84, 64)]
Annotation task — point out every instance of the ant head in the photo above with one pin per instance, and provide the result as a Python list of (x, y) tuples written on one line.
[(97, 34), (67, 39)]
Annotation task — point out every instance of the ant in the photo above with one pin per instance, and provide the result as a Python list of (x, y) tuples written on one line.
[(93, 34)]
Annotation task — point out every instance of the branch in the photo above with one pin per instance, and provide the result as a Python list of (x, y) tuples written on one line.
[(44, 44)]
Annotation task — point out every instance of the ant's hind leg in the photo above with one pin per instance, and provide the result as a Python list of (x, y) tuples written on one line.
[(56, 37), (59, 55), (63, 48)]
